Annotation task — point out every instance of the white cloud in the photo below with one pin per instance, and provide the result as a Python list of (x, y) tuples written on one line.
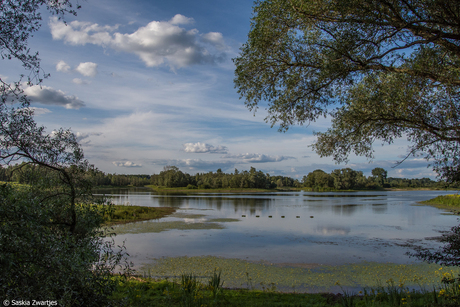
[(49, 96), (88, 69), (80, 81), (216, 39), (257, 158), (126, 164), (159, 42), (204, 148), (80, 33), (179, 19), (62, 66)]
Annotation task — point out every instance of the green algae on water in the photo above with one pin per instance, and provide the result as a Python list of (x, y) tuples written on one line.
[(238, 273)]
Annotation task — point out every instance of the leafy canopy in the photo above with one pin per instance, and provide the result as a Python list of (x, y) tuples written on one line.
[(52, 246), (380, 69)]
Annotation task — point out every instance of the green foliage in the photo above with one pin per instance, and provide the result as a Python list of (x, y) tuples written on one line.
[(380, 69), (190, 292), (452, 200), (126, 214), (51, 243), (448, 255), (42, 260), (171, 176)]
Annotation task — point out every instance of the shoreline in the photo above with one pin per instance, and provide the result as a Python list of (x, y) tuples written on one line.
[(159, 189)]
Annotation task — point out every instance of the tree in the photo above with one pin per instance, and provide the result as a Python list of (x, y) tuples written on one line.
[(52, 246), (380, 69), (380, 175), (318, 179), (345, 178), (448, 255)]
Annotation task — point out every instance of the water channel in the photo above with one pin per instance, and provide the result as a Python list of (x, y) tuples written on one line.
[(294, 229)]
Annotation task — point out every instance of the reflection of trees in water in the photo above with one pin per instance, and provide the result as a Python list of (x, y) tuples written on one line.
[(176, 202), (346, 209), (379, 208), (243, 205)]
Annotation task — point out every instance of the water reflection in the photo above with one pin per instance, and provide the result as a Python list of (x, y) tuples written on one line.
[(346, 209), (333, 230), (379, 208), (299, 227)]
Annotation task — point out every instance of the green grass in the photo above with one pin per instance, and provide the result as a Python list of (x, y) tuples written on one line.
[(122, 214), (449, 202), (190, 290), (237, 273)]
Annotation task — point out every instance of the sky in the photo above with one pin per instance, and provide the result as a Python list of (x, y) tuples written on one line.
[(146, 84)]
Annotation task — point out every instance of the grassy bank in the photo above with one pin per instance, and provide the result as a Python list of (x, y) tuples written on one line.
[(121, 214), (189, 290), (449, 202)]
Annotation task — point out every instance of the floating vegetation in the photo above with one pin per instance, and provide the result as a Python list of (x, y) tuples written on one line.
[(122, 214), (153, 226), (224, 220), (298, 277)]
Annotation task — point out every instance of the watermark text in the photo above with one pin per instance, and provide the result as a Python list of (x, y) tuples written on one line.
[(29, 303)]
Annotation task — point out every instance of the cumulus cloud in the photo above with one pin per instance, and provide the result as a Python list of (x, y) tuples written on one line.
[(62, 66), (49, 96), (80, 81), (214, 38), (126, 164), (88, 69), (157, 43), (204, 148), (179, 19), (257, 158)]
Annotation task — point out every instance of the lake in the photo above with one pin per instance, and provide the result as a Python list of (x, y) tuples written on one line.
[(285, 229)]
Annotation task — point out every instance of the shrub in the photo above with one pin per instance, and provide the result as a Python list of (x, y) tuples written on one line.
[(42, 260)]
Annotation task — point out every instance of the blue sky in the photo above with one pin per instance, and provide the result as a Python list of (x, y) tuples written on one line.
[(145, 84)]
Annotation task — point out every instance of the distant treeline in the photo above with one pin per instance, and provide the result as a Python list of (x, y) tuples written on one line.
[(339, 179), (173, 177), (349, 179)]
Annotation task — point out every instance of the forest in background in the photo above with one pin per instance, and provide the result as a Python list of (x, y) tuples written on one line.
[(173, 177)]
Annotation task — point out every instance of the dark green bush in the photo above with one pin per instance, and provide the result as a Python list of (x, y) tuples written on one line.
[(42, 260)]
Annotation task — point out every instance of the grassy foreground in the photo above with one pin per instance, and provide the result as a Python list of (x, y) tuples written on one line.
[(449, 202), (189, 291)]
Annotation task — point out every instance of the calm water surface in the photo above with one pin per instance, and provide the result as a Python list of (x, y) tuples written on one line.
[(288, 227)]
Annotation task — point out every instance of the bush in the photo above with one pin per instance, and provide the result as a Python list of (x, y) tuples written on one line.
[(42, 260)]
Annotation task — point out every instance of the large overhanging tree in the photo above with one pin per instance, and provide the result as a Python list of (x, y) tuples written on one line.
[(380, 69), (52, 246)]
